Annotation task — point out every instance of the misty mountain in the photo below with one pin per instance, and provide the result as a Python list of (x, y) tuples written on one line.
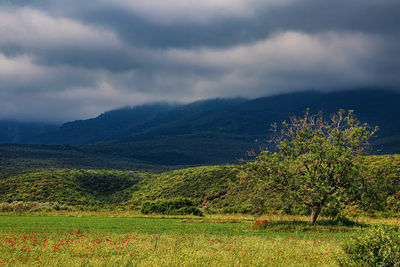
[(224, 136), (110, 125), (121, 124), (17, 132), (254, 117), (218, 130)]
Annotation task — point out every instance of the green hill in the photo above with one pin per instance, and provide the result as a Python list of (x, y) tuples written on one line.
[(215, 187), (72, 187), (205, 185), (129, 188), (18, 159)]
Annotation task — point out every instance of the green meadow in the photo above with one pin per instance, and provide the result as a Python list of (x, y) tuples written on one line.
[(91, 217), (90, 239)]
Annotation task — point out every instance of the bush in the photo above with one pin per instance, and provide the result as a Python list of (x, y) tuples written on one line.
[(177, 206), (32, 206), (379, 246)]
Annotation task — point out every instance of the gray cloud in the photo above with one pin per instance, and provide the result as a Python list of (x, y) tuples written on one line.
[(63, 60)]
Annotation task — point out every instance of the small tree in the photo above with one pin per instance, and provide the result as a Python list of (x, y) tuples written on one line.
[(315, 159)]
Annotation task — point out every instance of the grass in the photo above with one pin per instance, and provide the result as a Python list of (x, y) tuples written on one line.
[(115, 225), (232, 225), (104, 239), (162, 249), (129, 239)]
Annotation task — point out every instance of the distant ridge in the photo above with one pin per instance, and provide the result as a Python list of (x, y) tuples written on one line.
[(108, 126), (218, 130), (19, 132)]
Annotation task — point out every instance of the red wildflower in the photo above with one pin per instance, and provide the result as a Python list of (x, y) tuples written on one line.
[(260, 223)]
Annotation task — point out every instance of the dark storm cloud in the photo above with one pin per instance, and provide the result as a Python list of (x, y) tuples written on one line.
[(159, 28), (74, 59)]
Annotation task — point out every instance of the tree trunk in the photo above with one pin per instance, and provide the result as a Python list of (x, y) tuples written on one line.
[(314, 214)]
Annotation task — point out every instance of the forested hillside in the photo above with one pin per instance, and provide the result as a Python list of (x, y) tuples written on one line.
[(218, 131), (214, 187), (17, 159), (111, 125), (20, 132)]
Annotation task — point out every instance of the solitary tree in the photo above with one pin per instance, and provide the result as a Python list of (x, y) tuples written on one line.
[(314, 160)]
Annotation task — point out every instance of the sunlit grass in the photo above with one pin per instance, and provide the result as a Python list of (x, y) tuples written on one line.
[(155, 249), (108, 239)]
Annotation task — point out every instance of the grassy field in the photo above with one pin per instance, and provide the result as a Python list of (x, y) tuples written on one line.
[(94, 239)]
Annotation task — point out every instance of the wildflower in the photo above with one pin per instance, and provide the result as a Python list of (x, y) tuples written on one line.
[(260, 223)]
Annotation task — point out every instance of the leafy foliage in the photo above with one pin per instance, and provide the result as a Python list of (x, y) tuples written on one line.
[(20, 206), (316, 160), (177, 206), (379, 246), (381, 185), (204, 185)]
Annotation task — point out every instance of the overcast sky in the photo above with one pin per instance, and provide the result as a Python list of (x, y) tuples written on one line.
[(62, 60)]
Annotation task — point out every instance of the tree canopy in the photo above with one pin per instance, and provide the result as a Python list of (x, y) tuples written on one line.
[(314, 160)]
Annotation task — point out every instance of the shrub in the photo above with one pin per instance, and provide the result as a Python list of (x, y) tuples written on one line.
[(379, 246), (33, 206), (177, 206), (6, 207)]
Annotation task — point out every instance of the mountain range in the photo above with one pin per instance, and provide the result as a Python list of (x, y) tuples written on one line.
[(216, 131)]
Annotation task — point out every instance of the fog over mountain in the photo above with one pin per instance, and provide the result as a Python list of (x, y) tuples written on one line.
[(62, 60), (214, 131)]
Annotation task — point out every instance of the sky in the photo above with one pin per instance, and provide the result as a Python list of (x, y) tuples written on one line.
[(63, 60)]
